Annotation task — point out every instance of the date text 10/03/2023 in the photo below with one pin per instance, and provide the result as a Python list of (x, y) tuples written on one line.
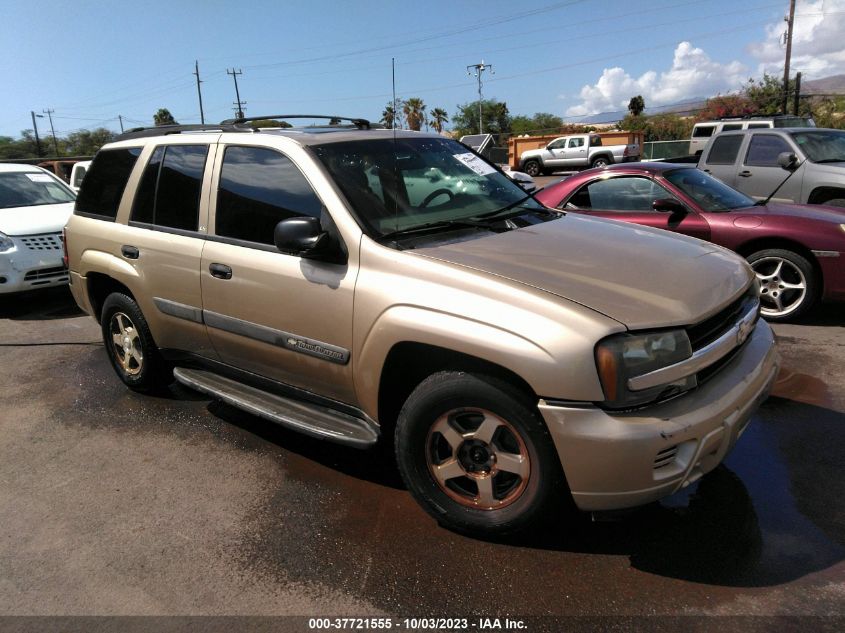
[(417, 624)]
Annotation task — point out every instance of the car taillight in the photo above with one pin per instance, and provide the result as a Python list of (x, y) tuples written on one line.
[(64, 247), (625, 151)]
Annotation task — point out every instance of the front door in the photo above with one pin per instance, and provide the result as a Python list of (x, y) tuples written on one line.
[(761, 174), (276, 315)]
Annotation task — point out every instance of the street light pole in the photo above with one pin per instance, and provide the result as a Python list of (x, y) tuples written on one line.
[(479, 70), (35, 129)]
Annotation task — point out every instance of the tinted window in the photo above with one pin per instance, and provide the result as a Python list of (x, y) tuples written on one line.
[(703, 131), (724, 150), (259, 188), (758, 126), (709, 193), (169, 192), (576, 142), (764, 149), (727, 127), (105, 181), (558, 144), (618, 194)]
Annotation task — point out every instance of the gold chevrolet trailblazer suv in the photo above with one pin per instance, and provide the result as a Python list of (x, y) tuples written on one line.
[(356, 283)]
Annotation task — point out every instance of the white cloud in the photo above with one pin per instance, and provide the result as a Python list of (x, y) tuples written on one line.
[(818, 46), (693, 74)]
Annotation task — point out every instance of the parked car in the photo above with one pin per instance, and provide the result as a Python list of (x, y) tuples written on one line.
[(754, 161), (34, 207), (797, 251), (78, 173), (704, 130), (516, 356), (576, 152)]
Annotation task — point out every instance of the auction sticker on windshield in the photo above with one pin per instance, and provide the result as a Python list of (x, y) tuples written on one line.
[(475, 164)]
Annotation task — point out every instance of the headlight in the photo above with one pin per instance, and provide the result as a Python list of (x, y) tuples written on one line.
[(842, 226), (6, 243), (625, 356)]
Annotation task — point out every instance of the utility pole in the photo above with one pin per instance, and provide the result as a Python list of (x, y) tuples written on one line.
[(238, 103), (479, 70), (49, 113), (199, 92), (35, 129), (797, 94), (120, 118), (789, 23)]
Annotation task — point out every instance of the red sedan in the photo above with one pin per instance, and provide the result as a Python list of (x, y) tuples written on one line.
[(797, 251)]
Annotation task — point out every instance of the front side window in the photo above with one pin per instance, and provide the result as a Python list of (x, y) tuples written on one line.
[(703, 131), (31, 188), (624, 194), (763, 150), (711, 195), (169, 192), (558, 144), (259, 188), (724, 150), (105, 181)]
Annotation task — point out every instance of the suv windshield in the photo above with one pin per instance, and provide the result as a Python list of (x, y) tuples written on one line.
[(822, 146), (710, 194), (31, 188), (412, 182)]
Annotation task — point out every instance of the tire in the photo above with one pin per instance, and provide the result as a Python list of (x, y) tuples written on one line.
[(835, 202), (130, 346), (464, 426), (600, 161), (533, 168), (788, 283)]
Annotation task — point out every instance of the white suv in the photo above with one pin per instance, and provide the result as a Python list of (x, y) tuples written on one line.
[(34, 208)]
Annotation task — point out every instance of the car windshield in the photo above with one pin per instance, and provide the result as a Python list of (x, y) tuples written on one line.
[(826, 146), (711, 195), (414, 182), (28, 189)]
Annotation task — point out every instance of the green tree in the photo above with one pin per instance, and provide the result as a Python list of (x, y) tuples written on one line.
[(659, 127), (722, 106), (540, 123), (269, 123), (414, 111), (636, 105), (87, 142), (163, 117), (439, 116), (391, 116), (495, 116)]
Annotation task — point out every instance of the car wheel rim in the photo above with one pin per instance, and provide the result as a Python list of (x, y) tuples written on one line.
[(126, 344), (477, 459), (532, 169), (783, 286)]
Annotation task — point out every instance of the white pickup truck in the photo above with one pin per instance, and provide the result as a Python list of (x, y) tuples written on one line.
[(575, 152)]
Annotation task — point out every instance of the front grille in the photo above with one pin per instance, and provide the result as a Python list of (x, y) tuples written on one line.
[(665, 457), (707, 331), (45, 275), (43, 242)]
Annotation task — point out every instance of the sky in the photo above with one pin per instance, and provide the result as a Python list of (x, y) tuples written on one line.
[(91, 61)]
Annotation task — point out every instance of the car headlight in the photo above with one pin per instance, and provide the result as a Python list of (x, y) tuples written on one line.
[(625, 356), (842, 226), (6, 243)]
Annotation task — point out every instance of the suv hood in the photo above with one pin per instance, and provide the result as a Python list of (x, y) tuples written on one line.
[(42, 218), (639, 276)]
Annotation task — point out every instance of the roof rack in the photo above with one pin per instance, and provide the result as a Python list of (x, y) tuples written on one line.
[(361, 124)]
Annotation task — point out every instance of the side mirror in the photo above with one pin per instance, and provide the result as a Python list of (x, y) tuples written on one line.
[(668, 205), (302, 236), (788, 161)]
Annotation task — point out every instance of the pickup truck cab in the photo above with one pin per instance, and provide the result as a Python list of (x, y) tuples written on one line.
[(576, 152), (751, 161)]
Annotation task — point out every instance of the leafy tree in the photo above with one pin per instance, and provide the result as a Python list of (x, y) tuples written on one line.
[(163, 117), (495, 115), (439, 116), (636, 105), (87, 142), (659, 127), (722, 106), (391, 116), (269, 123), (540, 123), (414, 111)]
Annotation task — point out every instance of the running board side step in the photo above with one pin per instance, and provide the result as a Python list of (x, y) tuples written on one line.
[(312, 419)]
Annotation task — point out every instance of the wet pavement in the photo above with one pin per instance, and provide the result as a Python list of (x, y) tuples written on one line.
[(118, 503)]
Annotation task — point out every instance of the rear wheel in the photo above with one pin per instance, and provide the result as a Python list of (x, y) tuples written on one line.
[(788, 284), (476, 455), (600, 161), (532, 168)]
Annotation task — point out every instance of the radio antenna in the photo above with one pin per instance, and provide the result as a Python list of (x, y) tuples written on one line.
[(395, 161)]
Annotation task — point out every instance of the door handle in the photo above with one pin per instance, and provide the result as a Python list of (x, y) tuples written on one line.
[(706, 171), (745, 174), (221, 271), (129, 252)]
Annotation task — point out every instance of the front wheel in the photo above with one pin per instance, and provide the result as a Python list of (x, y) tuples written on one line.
[(788, 283), (532, 168), (476, 455)]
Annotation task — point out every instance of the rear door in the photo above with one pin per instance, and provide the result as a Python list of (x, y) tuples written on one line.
[(761, 174), (576, 151), (721, 158), (630, 199)]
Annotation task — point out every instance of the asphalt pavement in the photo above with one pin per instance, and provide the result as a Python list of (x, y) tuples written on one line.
[(115, 503)]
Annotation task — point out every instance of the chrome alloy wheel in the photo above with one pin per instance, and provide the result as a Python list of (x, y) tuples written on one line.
[(783, 287), (477, 459), (126, 344)]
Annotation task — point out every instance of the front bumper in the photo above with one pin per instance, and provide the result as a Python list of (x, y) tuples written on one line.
[(618, 460), (23, 268)]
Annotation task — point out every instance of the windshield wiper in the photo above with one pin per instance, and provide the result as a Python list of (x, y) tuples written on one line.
[(433, 227), (830, 160), (498, 212)]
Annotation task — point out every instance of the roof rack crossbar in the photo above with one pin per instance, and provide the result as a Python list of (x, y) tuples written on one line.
[(361, 124), (163, 130)]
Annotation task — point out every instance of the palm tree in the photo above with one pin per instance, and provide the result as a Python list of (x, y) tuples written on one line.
[(389, 116), (439, 116), (163, 117), (414, 110)]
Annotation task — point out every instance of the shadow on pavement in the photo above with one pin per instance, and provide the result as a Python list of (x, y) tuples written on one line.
[(39, 305)]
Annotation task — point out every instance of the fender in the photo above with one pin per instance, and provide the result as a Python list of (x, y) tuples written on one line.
[(93, 261)]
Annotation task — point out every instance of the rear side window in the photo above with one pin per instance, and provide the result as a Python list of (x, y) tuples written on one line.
[(630, 193), (758, 126), (764, 149), (259, 188), (728, 127), (724, 150), (105, 181), (703, 131), (169, 193)]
